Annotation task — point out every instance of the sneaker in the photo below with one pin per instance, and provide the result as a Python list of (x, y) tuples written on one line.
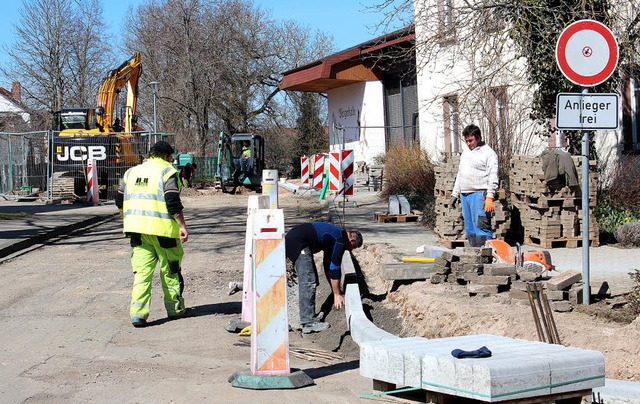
[(180, 314), (315, 326), (138, 322)]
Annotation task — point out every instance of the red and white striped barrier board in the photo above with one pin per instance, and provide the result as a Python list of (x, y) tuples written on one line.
[(304, 169), (93, 196), (269, 323), (341, 172), (318, 170)]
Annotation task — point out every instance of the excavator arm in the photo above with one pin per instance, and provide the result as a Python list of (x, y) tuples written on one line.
[(127, 74)]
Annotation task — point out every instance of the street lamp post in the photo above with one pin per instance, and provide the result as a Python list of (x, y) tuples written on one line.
[(154, 90)]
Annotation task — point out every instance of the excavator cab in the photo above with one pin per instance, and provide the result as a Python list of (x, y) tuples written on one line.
[(240, 162)]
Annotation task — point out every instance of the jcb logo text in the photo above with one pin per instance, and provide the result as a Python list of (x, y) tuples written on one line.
[(80, 153)]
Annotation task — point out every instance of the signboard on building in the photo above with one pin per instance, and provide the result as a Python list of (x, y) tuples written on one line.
[(586, 111)]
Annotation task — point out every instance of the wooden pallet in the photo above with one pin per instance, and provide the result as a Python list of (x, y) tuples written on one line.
[(451, 244), (569, 242), (387, 218)]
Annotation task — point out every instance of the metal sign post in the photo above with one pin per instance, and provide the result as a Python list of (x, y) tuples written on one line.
[(587, 54)]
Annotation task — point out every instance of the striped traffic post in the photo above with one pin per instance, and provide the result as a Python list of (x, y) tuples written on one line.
[(269, 324), (341, 172), (348, 171), (318, 171), (304, 169), (254, 203), (270, 187), (93, 196)]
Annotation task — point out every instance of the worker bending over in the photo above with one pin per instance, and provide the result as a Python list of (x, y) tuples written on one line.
[(301, 242)]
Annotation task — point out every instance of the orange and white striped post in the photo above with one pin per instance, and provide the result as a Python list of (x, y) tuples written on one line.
[(269, 323), (93, 196)]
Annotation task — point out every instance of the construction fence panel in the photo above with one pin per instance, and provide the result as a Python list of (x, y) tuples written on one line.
[(206, 168), (23, 163), (113, 153)]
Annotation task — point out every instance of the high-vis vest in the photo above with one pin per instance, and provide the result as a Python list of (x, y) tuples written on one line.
[(144, 207)]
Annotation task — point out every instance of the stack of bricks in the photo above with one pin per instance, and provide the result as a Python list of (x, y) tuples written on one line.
[(449, 224), (474, 268), (551, 212)]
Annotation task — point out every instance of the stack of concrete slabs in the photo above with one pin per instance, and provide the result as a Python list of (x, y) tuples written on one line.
[(516, 369)]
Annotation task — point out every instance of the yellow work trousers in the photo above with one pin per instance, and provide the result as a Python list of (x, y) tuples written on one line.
[(151, 250)]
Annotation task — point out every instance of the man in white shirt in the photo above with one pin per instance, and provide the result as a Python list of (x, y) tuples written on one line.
[(476, 185)]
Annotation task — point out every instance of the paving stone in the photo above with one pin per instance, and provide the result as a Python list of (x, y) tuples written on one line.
[(562, 306), (527, 276), (556, 294), (407, 271), (492, 280), (564, 280), (499, 269), (475, 289)]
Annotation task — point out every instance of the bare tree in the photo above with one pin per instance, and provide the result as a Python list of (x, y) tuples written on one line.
[(219, 64), (57, 54)]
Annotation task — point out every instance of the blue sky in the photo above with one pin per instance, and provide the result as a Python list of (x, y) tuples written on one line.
[(347, 20)]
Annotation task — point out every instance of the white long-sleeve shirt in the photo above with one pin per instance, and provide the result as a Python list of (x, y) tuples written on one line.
[(478, 171)]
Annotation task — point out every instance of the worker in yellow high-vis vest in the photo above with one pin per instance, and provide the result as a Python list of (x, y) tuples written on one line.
[(149, 199)]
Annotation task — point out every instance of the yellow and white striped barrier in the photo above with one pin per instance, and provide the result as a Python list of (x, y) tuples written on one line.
[(254, 203), (270, 187), (269, 323)]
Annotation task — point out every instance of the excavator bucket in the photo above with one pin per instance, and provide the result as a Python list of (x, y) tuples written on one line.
[(502, 252)]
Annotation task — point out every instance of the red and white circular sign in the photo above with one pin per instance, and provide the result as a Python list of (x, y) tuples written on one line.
[(587, 52)]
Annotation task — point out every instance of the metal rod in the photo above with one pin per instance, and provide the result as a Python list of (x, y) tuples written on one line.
[(536, 320), (586, 288), (554, 328), (542, 315)]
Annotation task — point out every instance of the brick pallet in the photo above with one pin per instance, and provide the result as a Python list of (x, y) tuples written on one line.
[(551, 212)]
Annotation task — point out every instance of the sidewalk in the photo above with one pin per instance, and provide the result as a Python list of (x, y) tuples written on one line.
[(44, 222)]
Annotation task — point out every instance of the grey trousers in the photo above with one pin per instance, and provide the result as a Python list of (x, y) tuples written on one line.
[(307, 283)]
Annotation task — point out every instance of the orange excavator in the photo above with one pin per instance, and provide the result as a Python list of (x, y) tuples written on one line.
[(531, 261)]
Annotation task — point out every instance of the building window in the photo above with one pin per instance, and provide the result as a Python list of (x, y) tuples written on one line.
[(446, 22), (498, 114), (451, 128)]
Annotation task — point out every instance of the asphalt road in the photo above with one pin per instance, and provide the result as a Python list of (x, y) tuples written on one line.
[(67, 336)]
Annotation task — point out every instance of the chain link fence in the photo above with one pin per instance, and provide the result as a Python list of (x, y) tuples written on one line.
[(49, 166), (23, 163)]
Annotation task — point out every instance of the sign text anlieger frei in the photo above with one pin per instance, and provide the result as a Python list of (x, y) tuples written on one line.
[(587, 111)]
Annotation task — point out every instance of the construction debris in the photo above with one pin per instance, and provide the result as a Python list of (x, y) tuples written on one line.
[(473, 267)]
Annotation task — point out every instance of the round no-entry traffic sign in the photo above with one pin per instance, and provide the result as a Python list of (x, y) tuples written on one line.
[(587, 52)]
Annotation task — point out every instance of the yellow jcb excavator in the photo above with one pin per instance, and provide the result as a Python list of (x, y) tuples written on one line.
[(104, 133)]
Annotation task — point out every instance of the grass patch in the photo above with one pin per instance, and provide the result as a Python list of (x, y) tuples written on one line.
[(13, 216)]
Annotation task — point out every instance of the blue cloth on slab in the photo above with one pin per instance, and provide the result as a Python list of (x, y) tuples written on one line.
[(482, 352)]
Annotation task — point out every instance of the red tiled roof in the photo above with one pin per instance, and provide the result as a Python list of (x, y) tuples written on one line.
[(345, 67)]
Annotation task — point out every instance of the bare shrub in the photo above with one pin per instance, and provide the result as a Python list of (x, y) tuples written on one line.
[(625, 181), (628, 234), (408, 171)]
